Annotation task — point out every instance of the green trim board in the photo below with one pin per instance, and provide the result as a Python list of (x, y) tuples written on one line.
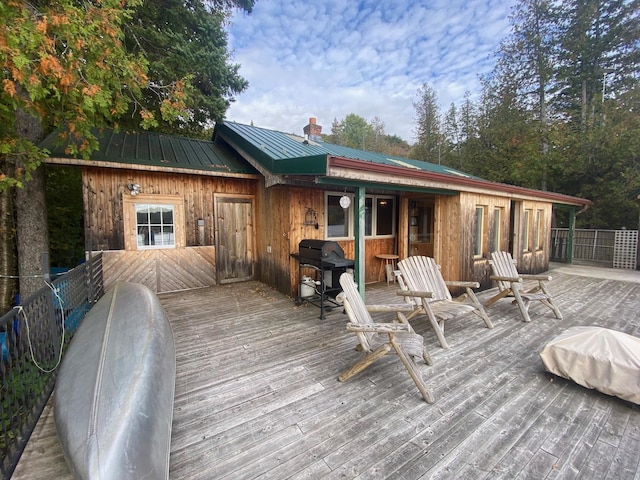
[(385, 186)]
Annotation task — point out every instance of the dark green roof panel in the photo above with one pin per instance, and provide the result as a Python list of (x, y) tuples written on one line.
[(155, 149), (286, 153)]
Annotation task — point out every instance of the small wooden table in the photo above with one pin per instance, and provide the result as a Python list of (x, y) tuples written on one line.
[(388, 265)]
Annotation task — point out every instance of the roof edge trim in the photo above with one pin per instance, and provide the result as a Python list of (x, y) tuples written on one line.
[(353, 164)]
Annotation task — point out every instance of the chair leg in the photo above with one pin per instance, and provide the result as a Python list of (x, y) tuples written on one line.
[(550, 303), (426, 357), (359, 366), (436, 327), (403, 319), (524, 308), (497, 297), (480, 311), (413, 371)]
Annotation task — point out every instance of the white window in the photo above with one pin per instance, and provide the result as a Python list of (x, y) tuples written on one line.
[(153, 221), (155, 226), (379, 212)]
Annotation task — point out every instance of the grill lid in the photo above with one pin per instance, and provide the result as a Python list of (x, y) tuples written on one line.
[(320, 249)]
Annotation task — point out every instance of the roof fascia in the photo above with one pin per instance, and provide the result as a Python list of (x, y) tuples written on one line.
[(238, 144), (340, 167), (136, 166), (383, 185)]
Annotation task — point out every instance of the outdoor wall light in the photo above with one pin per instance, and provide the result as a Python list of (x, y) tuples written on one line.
[(311, 218), (134, 188)]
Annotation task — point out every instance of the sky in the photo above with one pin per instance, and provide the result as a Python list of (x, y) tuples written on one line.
[(329, 58)]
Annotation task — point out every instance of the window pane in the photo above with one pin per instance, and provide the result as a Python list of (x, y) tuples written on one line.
[(337, 216), (167, 216), (496, 229), (539, 229), (155, 215), (525, 236), (142, 214), (368, 216), (384, 216), (478, 228)]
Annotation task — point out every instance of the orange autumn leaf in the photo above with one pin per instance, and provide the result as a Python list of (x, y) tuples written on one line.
[(9, 87), (17, 74), (67, 79), (50, 65), (59, 19), (41, 25), (91, 91)]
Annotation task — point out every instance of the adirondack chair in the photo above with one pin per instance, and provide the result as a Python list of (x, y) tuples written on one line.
[(422, 274), (510, 284), (401, 337)]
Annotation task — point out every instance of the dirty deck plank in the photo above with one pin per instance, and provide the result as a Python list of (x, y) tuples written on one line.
[(257, 394)]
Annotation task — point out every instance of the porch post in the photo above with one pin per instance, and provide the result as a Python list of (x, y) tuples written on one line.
[(359, 209), (572, 229)]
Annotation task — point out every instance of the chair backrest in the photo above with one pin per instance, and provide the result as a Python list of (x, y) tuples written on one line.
[(503, 265), (422, 274), (356, 309)]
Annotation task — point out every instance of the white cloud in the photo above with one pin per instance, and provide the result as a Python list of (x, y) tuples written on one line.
[(328, 59)]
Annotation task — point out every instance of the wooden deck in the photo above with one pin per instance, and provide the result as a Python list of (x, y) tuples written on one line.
[(257, 395)]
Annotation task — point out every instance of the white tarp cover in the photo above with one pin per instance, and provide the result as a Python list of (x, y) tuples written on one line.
[(597, 358)]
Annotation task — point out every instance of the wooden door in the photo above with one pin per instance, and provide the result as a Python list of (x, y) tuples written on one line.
[(234, 237)]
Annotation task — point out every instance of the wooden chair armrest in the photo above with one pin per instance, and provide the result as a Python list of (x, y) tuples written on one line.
[(542, 278), (414, 293), (457, 283), (505, 279), (379, 327), (391, 307)]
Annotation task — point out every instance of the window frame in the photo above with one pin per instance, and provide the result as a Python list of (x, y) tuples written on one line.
[(131, 224), (350, 216)]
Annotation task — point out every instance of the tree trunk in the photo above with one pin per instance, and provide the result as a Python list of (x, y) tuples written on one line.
[(8, 264), (31, 217)]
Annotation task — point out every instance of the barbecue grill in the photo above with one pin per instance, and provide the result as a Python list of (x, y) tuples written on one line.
[(326, 259)]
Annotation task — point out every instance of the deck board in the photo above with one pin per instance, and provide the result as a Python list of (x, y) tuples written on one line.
[(257, 394)]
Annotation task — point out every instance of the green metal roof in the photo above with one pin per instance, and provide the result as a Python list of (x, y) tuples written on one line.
[(286, 153), (158, 150)]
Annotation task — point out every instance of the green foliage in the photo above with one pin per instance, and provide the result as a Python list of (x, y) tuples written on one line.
[(186, 47), (355, 132), (429, 140), (65, 214), (561, 110), (63, 64)]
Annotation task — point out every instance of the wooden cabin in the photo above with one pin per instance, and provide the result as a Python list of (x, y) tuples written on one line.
[(176, 213)]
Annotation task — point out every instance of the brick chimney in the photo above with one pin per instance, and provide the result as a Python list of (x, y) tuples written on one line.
[(312, 131)]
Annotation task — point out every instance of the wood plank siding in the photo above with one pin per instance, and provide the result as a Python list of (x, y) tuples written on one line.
[(281, 226), (105, 188), (276, 222), (257, 394), (162, 270)]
